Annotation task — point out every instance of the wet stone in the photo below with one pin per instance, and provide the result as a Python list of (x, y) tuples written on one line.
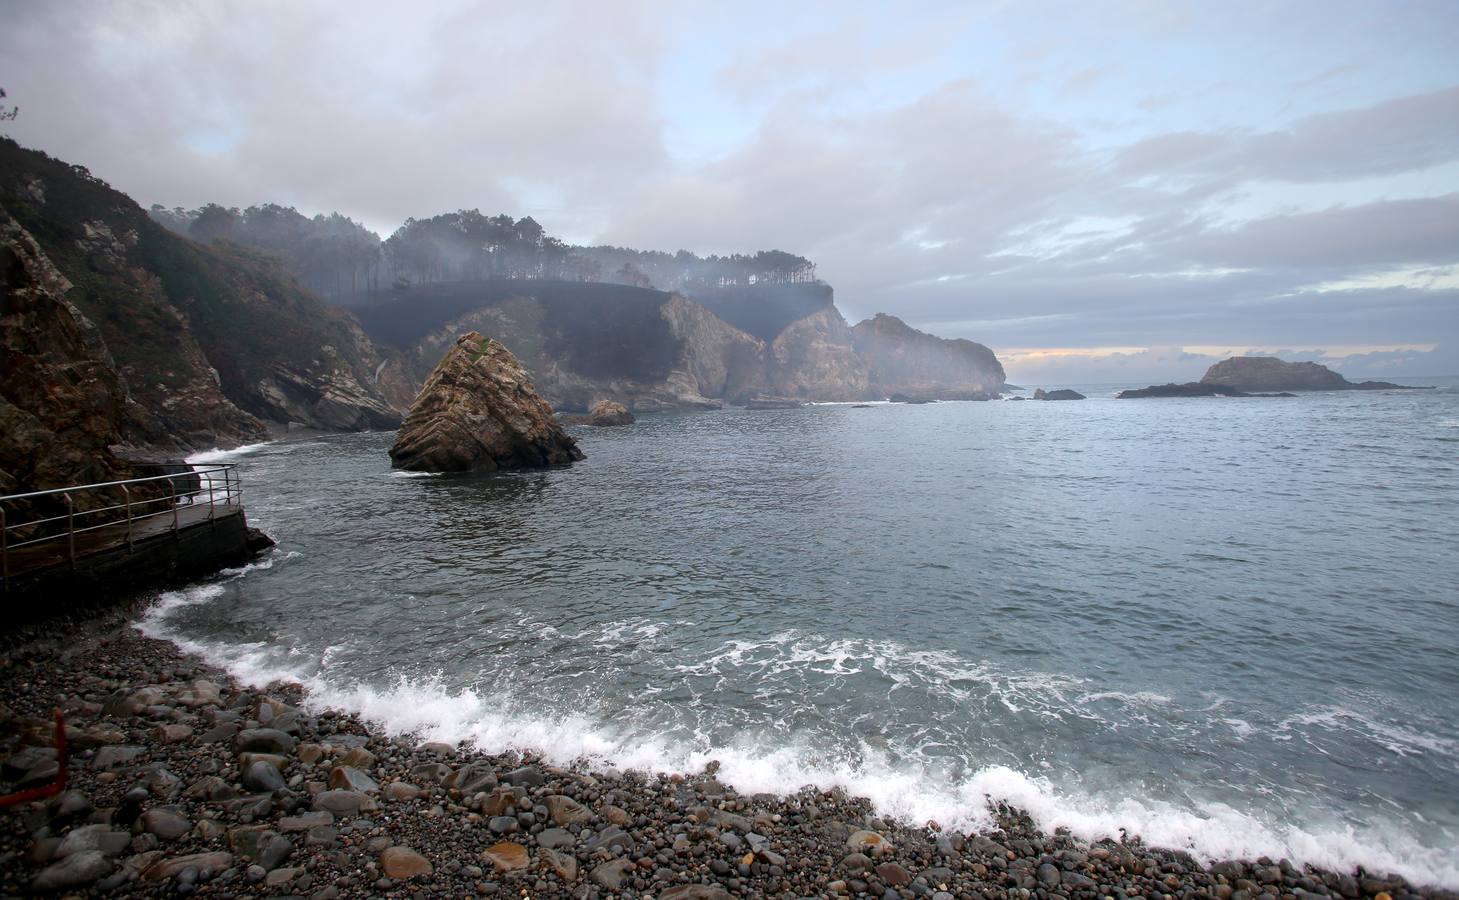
[(526, 776), (166, 824), (76, 870), (264, 740), (263, 777), (113, 757), (611, 873), (400, 863), (564, 864), (608, 838), (556, 839), (306, 821), (506, 856), (567, 811), (344, 802), (348, 778)]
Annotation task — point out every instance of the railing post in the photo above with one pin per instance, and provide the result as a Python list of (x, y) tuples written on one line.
[(172, 485), (70, 527), (127, 497), (4, 546)]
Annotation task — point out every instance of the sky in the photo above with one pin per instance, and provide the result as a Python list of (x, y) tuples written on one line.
[(1116, 191)]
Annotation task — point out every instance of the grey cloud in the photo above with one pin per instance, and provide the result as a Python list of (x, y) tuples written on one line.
[(955, 206), (1418, 231)]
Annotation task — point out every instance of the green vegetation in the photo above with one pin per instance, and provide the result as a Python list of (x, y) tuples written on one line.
[(169, 308)]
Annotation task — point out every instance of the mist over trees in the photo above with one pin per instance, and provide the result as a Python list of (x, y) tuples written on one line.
[(332, 255), (338, 257)]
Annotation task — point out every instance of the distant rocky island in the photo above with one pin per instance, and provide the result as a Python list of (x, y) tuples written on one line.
[(1061, 394), (1261, 376)]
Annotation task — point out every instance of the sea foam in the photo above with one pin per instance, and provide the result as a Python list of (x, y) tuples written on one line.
[(912, 790)]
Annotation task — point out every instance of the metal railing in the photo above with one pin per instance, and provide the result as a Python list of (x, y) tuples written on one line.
[(218, 489)]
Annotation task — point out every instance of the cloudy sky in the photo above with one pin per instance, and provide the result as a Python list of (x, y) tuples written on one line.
[(1101, 191)]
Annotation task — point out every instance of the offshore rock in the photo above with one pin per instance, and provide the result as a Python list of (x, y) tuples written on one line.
[(608, 413), (604, 414), (1063, 394), (1267, 373), (1190, 389), (478, 412)]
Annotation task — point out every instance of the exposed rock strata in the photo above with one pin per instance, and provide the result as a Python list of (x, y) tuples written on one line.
[(479, 412), (63, 405)]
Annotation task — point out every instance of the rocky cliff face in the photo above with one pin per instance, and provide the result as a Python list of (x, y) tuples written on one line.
[(478, 412), (63, 405), (211, 340), (902, 360), (1267, 373), (814, 359)]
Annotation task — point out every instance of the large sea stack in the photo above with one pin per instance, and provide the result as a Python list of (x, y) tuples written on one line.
[(478, 412)]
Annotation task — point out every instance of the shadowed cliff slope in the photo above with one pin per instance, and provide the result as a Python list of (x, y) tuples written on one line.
[(209, 339)]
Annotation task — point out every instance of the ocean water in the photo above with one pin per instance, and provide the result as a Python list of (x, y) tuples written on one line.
[(1225, 625)]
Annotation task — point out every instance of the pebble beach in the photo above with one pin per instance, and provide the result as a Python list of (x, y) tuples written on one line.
[(181, 782)]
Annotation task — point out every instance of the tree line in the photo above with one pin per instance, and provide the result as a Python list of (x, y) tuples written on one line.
[(336, 256)]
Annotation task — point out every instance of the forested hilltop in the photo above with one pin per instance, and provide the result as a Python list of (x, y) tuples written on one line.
[(346, 262), (208, 341)]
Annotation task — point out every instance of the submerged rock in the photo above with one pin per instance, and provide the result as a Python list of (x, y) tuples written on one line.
[(478, 412)]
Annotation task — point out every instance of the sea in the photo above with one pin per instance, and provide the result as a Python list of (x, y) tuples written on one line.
[(1224, 625)]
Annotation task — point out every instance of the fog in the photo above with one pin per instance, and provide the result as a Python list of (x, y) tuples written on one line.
[(1116, 198)]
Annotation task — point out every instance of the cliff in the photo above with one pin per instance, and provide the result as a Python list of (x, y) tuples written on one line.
[(1267, 373), (478, 412), (902, 360), (813, 358), (211, 340), (63, 405)]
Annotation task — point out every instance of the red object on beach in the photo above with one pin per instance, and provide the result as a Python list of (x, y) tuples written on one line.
[(55, 787)]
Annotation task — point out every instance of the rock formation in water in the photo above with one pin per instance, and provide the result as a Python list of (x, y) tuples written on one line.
[(904, 361), (1267, 373), (1063, 394), (1191, 389), (478, 412), (773, 403), (609, 414), (211, 340), (604, 414)]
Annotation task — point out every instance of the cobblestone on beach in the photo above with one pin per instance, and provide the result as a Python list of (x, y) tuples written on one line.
[(181, 782)]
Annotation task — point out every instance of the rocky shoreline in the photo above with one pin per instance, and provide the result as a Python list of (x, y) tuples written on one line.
[(182, 782)]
